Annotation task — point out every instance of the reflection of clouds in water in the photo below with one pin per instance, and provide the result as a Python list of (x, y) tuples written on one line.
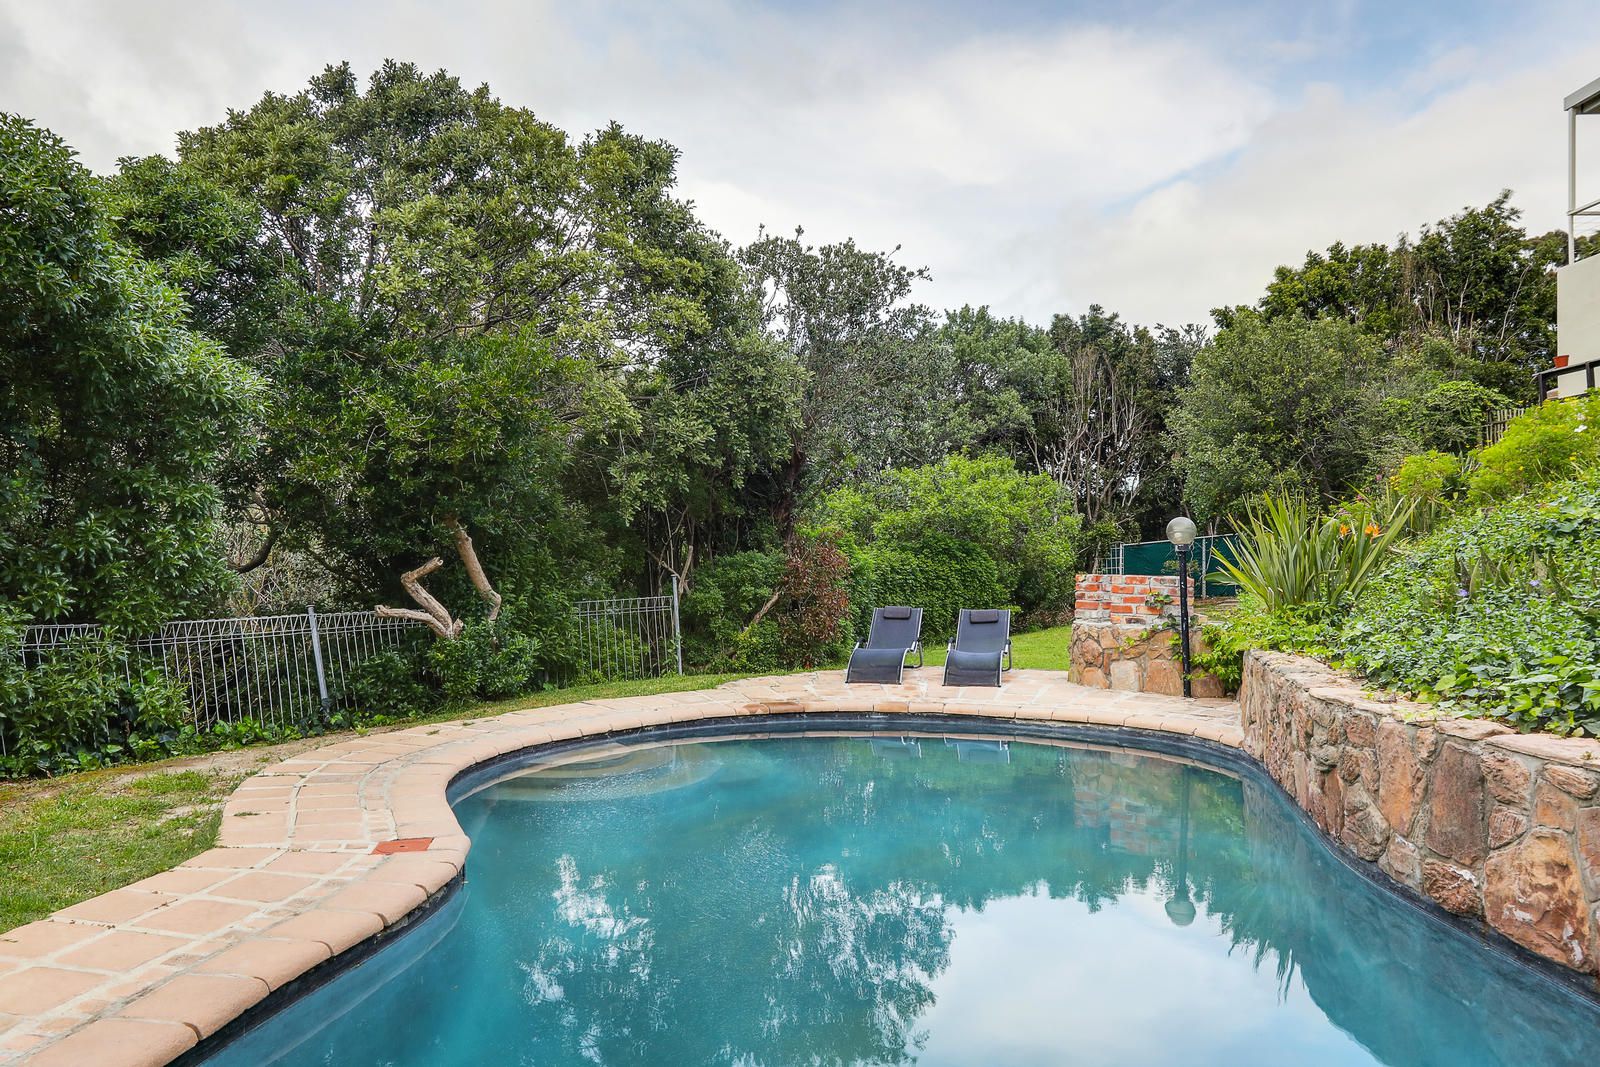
[(541, 987), (586, 907), (1048, 982)]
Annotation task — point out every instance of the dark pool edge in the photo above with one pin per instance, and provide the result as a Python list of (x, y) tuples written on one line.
[(1223, 756)]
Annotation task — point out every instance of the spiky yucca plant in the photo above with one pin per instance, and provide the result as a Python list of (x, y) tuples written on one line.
[(1289, 555)]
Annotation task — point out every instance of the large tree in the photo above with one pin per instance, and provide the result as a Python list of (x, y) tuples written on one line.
[(877, 382), (1477, 279), (457, 289), (1084, 401), (1287, 404), (113, 413)]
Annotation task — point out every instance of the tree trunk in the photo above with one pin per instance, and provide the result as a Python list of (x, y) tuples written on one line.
[(784, 513), (433, 613), (469, 558), (771, 601)]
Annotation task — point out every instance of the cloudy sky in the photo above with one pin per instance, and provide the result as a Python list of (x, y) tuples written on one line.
[(1156, 158)]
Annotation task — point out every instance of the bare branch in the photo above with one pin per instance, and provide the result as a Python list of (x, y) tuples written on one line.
[(261, 554), (475, 572), (433, 613)]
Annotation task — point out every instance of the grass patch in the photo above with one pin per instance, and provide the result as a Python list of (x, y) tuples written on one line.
[(98, 832), (1045, 650)]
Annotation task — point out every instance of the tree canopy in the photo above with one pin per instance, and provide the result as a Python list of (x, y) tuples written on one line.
[(347, 330), (114, 413)]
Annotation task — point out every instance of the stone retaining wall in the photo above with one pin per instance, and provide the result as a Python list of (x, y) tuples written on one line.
[(1493, 825)]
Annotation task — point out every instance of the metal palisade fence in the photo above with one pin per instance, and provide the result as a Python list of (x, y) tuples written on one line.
[(281, 669), (294, 669), (637, 637)]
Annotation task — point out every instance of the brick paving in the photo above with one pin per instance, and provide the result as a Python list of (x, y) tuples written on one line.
[(307, 866)]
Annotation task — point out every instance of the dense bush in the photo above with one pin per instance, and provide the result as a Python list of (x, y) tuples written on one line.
[(1226, 639), (1450, 416), (1024, 523), (1431, 476), (1497, 612), (814, 621), (938, 574), (486, 662), (1553, 441), (726, 594)]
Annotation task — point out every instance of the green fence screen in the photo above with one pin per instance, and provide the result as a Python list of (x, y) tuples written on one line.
[(1159, 557)]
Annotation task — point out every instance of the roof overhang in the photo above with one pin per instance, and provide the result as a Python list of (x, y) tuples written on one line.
[(1585, 101)]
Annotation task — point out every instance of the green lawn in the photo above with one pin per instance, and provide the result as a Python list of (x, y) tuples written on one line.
[(95, 832), (1040, 650)]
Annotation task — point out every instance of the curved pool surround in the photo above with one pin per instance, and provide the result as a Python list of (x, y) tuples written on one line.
[(895, 898)]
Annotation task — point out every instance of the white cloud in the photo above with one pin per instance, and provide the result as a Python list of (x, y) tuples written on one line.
[(1331, 169), (1155, 169)]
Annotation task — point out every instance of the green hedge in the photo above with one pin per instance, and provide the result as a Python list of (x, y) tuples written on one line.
[(939, 575)]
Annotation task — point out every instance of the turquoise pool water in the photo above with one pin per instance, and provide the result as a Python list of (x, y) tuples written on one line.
[(841, 901)]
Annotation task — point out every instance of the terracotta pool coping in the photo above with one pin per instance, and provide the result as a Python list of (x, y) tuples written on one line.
[(322, 853)]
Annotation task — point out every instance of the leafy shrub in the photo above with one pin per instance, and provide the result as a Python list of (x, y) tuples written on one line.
[(389, 684), (1450, 416), (486, 663), (1025, 523), (1496, 613), (1553, 441), (815, 621), (937, 574), (726, 594), (1226, 638), (1429, 476), (79, 709)]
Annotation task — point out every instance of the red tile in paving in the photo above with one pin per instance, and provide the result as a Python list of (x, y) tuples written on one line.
[(403, 844)]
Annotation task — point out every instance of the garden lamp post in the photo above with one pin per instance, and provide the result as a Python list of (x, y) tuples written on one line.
[(1181, 532)]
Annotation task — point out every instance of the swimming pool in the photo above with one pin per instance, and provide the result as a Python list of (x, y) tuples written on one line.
[(938, 900)]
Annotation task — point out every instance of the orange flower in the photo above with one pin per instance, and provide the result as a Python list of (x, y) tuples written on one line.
[(1344, 531), (1373, 529)]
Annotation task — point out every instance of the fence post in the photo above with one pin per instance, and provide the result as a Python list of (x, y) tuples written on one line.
[(677, 632), (316, 654)]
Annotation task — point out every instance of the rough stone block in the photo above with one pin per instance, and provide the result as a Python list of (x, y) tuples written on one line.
[(1400, 777), (1456, 808), (1505, 826), (1532, 894), (1455, 889), (1509, 780)]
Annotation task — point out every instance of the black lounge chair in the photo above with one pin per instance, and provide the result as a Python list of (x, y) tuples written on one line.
[(981, 650), (895, 633)]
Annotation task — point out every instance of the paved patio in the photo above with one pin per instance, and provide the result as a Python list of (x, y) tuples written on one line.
[(324, 851)]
